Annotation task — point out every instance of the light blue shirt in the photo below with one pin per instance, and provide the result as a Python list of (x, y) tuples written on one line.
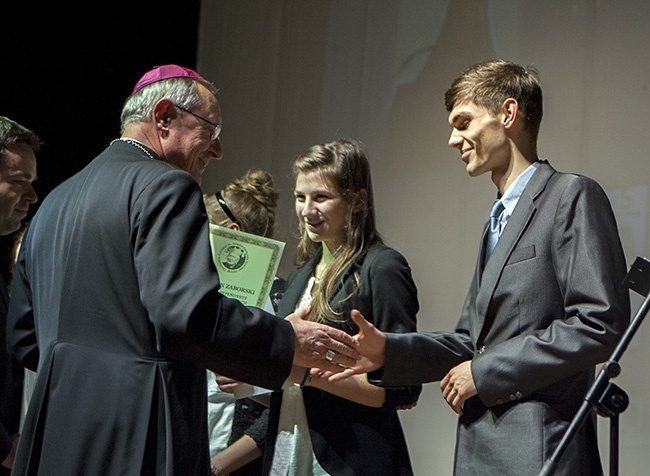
[(513, 193)]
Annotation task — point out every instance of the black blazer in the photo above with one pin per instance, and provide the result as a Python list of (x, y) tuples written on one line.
[(116, 297), (11, 384), (349, 438)]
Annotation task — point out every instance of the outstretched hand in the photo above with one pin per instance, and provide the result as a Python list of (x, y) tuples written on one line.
[(321, 346), (372, 346)]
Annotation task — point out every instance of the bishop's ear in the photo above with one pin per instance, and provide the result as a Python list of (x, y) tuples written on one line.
[(164, 113)]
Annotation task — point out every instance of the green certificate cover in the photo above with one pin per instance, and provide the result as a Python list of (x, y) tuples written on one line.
[(246, 263)]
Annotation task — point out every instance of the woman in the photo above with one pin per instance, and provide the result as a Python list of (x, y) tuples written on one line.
[(246, 204), (350, 427)]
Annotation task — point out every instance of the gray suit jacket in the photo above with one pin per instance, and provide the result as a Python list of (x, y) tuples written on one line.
[(116, 298), (549, 305)]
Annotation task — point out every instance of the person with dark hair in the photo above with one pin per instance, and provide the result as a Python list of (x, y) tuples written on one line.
[(546, 304), (18, 149), (351, 427), (116, 299)]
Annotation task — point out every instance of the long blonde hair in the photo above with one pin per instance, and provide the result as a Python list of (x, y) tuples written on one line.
[(344, 164)]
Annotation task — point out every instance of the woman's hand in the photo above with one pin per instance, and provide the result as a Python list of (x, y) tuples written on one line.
[(227, 385)]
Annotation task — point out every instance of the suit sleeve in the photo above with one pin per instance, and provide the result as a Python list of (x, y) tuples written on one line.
[(423, 357), (593, 308), (179, 286)]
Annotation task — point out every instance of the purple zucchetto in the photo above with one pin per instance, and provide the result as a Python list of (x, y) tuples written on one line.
[(158, 73)]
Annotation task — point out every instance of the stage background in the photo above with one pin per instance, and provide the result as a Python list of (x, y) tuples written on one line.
[(293, 73)]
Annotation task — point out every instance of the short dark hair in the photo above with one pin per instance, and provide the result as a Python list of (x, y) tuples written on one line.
[(490, 83), (12, 132)]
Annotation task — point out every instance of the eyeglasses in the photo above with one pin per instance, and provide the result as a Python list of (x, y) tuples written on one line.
[(217, 127)]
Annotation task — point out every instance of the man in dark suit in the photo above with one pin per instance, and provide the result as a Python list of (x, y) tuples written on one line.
[(18, 148), (542, 310), (116, 299)]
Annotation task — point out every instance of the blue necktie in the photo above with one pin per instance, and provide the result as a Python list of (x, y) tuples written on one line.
[(495, 228)]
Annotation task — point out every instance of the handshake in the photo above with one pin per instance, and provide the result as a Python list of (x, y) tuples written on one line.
[(329, 353), (332, 353)]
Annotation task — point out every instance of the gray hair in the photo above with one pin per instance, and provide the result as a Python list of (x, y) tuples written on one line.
[(181, 91)]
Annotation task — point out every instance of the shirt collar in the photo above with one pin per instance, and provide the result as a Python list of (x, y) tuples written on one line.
[(511, 196)]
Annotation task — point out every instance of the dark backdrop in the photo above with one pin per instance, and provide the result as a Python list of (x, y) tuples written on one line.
[(67, 66)]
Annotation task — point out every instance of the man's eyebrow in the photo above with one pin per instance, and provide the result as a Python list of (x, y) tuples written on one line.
[(458, 115), (22, 174)]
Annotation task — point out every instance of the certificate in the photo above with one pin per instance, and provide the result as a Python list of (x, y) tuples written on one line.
[(247, 264)]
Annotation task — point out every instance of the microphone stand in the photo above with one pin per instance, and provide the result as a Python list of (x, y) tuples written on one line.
[(607, 398)]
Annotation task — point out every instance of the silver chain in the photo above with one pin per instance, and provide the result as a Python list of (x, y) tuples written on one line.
[(138, 145)]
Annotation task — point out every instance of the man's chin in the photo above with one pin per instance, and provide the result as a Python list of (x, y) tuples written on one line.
[(472, 171), (6, 228)]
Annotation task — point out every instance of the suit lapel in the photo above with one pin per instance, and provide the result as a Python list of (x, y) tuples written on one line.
[(340, 293), (512, 233), (296, 285), (481, 254), (295, 288)]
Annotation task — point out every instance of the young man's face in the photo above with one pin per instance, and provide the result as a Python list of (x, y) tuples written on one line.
[(480, 137)]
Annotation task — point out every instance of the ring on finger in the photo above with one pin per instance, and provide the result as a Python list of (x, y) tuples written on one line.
[(329, 355)]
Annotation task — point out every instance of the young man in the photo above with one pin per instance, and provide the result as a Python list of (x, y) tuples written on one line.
[(542, 310), (18, 148)]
